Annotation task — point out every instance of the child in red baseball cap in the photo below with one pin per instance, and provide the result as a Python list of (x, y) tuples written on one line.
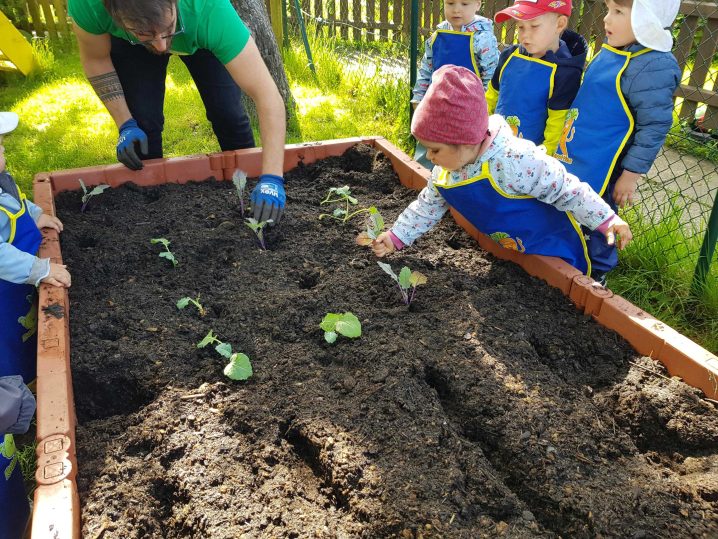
[(503, 185), (537, 79)]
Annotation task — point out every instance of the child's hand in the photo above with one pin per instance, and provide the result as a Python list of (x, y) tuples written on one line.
[(383, 245), (624, 192), (49, 221), (58, 276), (619, 228)]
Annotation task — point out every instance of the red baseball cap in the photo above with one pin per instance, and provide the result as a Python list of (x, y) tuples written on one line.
[(525, 10)]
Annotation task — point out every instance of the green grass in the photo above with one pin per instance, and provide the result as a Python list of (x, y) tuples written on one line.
[(656, 270)]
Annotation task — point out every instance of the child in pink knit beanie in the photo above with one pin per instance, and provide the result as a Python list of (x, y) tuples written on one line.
[(504, 186)]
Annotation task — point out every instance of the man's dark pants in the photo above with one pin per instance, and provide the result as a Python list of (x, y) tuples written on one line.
[(142, 75)]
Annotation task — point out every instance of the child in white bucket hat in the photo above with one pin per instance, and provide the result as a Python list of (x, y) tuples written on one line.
[(623, 110)]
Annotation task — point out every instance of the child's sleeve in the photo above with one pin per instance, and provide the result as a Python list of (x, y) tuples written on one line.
[(566, 84), (486, 49), (422, 214), (19, 267), (650, 95), (17, 405), (426, 68), (532, 172), (35, 210)]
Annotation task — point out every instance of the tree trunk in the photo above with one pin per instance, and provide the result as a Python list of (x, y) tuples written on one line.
[(254, 15)]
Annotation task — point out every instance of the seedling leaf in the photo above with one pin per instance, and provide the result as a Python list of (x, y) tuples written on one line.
[(344, 324), (239, 367), (364, 239), (224, 349), (387, 268), (208, 339), (329, 322), (405, 277), (182, 303), (417, 278), (330, 337)]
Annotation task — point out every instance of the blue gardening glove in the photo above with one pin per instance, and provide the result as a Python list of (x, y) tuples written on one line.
[(268, 198), (130, 134)]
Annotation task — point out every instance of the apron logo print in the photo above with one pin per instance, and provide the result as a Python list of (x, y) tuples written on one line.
[(567, 136), (514, 124), (507, 242), (7, 450), (29, 321)]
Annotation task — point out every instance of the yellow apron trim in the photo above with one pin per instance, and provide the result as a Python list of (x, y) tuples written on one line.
[(13, 217), (471, 45), (486, 175), (517, 54)]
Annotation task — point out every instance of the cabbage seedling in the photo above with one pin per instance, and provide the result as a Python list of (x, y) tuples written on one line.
[(374, 227), (258, 228), (239, 179), (341, 194), (407, 280), (166, 253), (239, 366), (183, 302), (87, 195), (335, 324)]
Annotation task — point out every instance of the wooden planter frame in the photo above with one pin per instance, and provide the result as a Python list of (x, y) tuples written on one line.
[(57, 506)]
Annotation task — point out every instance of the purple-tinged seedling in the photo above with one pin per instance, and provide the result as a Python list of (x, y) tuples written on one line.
[(374, 227), (239, 366), (87, 195), (183, 302), (166, 253), (407, 280), (258, 228), (239, 179)]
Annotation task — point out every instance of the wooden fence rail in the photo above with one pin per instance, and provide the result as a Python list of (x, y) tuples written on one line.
[(43, 17)]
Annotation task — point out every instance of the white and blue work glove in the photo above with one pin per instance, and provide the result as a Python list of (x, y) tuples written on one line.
[(130, 134), (268, 198)]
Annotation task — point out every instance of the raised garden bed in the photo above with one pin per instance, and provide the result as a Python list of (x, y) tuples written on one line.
[(491, 406)]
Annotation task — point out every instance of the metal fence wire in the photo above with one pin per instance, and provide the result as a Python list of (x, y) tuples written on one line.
[(676, 215)]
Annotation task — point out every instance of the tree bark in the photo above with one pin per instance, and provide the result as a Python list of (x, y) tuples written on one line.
[(254, 15)]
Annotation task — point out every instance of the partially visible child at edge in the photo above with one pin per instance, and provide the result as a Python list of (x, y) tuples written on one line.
[(20, 270), (17, 406), (505, 186), (624, 109), (464, 39), (537, 79)]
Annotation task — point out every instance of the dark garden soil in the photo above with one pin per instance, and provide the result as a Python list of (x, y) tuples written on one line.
[(491, 407)]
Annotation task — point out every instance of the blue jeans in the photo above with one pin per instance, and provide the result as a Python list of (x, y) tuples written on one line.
[(142, 75)]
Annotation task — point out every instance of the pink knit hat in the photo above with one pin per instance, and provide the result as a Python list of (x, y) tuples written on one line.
[(454, 109)]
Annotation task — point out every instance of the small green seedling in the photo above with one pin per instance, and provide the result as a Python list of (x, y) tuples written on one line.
[(335, 324), (239, 179), (239, 366), (407, 280), (183, 302), (87, 195), (341, 194), (258, 228), (374, 227), (166, 253)]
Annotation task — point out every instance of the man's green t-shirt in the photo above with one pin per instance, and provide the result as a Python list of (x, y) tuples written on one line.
[(208, 24)]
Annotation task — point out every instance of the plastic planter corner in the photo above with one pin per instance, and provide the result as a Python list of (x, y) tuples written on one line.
[(57, 508)]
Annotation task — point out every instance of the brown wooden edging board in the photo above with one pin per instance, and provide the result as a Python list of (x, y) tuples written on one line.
[(57, 508)]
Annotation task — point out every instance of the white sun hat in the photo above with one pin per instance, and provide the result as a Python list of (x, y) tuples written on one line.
[(651, 21), (8, 122)]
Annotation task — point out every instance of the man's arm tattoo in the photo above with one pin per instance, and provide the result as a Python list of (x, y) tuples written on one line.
[(107, 86)]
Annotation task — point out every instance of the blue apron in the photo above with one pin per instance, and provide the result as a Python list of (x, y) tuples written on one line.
[(449, 47), (525, 86), (518, 222), (18, 308), (599, 122), (13, 500), (452, 47)]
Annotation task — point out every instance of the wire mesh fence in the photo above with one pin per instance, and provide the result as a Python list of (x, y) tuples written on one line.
[(672, 217)]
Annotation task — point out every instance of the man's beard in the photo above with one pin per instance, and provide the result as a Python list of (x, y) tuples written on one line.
[(151, 49)]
